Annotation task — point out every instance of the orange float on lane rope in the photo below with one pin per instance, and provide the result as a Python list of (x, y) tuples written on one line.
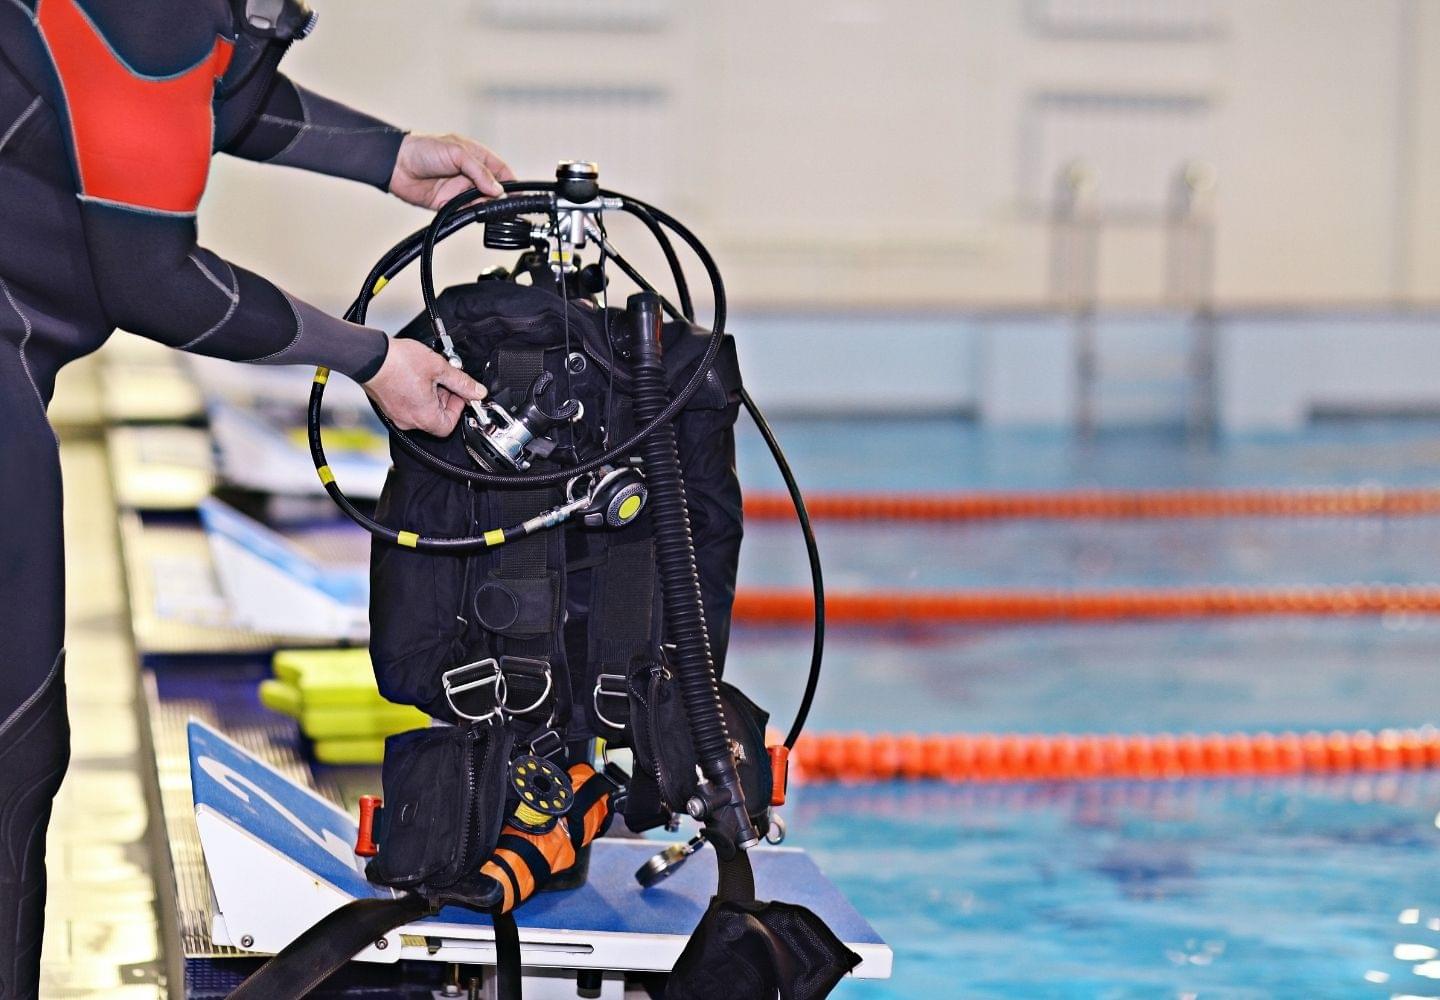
[(1101, 504), (908, 607), (1013, 757)]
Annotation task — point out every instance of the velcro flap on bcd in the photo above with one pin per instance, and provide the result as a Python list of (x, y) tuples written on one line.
[(518, 609)]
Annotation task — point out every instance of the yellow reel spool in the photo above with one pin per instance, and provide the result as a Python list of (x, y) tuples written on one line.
[(544, 791)]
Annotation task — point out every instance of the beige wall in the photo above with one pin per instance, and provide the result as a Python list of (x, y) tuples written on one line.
[(870, 152)]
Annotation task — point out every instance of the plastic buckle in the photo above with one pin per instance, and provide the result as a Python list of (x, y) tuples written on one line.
[(472, 677), (525, 666), (547, 744), (601, 689)]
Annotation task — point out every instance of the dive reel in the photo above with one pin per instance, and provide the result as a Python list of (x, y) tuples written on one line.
[(506, 434)]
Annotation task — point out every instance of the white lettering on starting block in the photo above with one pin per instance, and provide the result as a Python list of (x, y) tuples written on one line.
[(242, 787)]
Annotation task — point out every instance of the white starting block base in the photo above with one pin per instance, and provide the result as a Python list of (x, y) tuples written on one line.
[(281, 857)]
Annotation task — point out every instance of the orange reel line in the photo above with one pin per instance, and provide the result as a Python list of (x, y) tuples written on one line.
[(1101, 504), (1015, 757), (892, 608)]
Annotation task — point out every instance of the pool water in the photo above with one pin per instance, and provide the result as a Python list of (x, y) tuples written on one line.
[(1233, 889)]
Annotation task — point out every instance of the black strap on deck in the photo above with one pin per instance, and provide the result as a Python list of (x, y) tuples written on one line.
[(323, 950)]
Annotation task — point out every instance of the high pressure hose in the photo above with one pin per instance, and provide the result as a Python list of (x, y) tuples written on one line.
[(722, 803)]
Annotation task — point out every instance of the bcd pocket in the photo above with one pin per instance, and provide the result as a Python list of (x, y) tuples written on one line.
[(444, 794)]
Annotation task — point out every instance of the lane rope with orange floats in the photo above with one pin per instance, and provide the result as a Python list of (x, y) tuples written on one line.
[(1017, 757), (1359, 501)]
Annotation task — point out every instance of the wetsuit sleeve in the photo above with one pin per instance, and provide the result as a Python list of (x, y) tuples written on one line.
[(296, 127), (141, 129)]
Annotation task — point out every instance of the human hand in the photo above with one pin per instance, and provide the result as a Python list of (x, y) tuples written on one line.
[(420, 391), (432, 169)]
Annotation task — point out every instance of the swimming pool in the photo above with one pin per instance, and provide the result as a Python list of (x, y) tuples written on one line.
[(1315, 887)]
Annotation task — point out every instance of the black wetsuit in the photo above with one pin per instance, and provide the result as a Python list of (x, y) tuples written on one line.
[(109, 112)]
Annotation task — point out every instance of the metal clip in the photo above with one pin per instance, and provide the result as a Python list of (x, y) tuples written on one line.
[(456, 682), (601, 690), (547, 744)]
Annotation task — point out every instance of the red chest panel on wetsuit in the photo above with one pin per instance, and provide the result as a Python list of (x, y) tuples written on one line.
[(139, 141)]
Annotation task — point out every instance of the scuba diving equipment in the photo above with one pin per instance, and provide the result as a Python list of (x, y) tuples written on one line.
[(535, 641), (545, 793), (521, 199), (525, 859), (667, 862), (719, 800), (264, 32), (496, 438), (275, 20)]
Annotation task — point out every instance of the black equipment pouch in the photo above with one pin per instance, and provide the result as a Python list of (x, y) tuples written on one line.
[(665, 761), (444, 793)]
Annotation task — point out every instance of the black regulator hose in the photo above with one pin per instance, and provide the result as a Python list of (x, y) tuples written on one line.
[(422, 244), (439, 229), (534, 197), (797, 498), (722, 803)]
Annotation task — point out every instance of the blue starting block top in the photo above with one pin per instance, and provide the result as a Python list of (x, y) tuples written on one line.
[(281, 857)]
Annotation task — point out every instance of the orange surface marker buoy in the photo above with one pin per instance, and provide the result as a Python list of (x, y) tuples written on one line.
[(1011, 757), (912, 607), (1101, 504)]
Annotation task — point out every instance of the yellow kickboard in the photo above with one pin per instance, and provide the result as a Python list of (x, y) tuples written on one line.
[(341, 723), (333, 695), (278, 696), (360, 723), (329, 678), (349, 751)]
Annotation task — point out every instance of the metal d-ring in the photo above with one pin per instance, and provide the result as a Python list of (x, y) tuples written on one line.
[(600, 690), (495, 677), (549, 685)]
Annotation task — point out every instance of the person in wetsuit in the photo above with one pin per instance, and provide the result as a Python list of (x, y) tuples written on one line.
[(109, 113)]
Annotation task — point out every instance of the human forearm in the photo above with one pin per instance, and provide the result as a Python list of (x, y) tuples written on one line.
[(295, 127), (155, 280)]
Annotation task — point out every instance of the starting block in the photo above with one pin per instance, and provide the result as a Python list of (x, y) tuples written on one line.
[(281, 857)]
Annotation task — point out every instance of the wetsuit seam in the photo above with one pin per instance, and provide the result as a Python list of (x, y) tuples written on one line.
[(300, 125), (19, 123), (299, 332), (330, 129), (234, 298), (230, 293), (30, 15), (24, 343), (35, 695), (125, 64), (141, 209)]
